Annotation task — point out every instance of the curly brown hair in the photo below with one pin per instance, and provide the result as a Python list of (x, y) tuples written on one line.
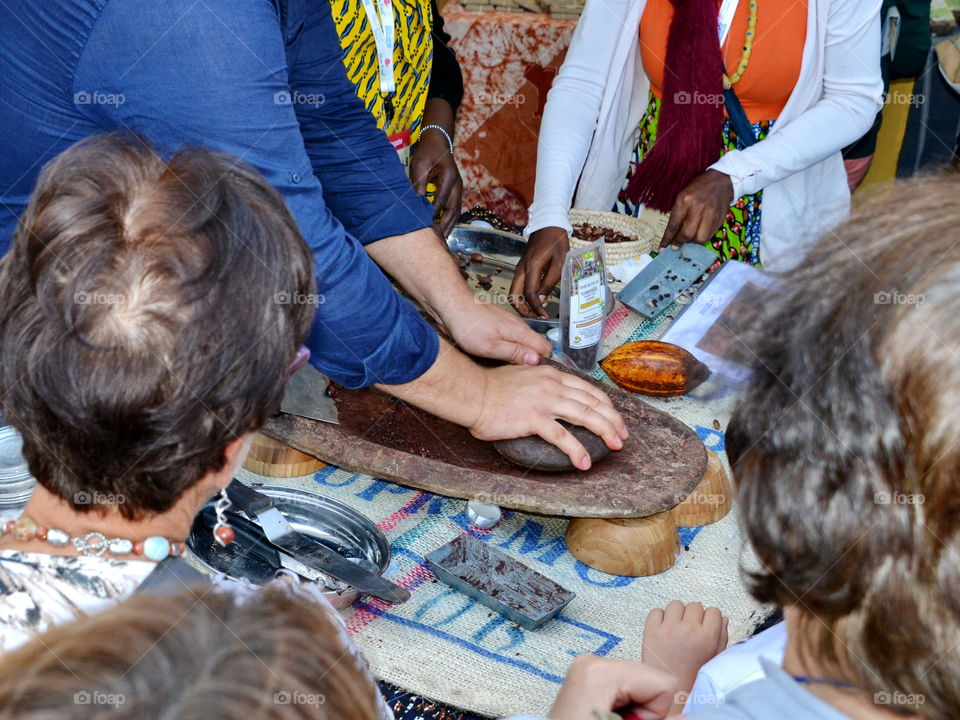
[(846, 449), (145, 320)]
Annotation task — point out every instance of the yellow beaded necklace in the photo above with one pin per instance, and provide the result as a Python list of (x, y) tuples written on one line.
[(729, 80)]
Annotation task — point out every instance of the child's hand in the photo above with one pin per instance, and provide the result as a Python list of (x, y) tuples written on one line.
[(681, 639), (606, 685)]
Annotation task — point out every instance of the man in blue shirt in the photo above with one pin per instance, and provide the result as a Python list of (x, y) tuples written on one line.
[(263, 80)]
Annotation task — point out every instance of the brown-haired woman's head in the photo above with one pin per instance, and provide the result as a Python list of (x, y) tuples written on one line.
[(276, 655), (144, 321), (846, 448)]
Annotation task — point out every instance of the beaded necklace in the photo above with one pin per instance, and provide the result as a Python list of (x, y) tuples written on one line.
[(730, 80), (93, 544)]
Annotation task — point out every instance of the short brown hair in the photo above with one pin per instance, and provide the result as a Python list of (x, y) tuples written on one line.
[(276, 655), (140, 327), (846, 448)]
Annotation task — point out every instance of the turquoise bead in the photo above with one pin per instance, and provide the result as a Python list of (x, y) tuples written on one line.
[(156, 548)]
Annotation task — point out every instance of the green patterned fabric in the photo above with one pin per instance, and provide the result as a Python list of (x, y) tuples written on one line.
[(739, 236)]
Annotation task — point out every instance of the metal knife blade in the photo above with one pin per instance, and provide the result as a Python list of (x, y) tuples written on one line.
[(308, 550), (291, 563), (306, 396)]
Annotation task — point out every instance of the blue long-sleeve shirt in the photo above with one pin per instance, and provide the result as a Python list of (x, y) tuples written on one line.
[(261, 79)]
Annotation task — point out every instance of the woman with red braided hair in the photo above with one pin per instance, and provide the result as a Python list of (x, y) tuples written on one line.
[(728, 114)]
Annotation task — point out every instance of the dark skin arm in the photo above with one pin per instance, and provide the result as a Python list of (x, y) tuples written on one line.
[(697, 214), (699, 210), (538, 271), (432, 162)]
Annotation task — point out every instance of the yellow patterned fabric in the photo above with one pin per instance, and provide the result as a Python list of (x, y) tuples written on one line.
[(412, 58)]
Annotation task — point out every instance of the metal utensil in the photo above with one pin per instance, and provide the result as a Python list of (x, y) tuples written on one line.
[(658, 285), (308, 550), (306, 396), (501, 251)]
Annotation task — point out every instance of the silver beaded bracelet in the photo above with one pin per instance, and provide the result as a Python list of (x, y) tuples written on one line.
[(440, 129)]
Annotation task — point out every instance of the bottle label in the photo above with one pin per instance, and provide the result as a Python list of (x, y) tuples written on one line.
[(587, 302)]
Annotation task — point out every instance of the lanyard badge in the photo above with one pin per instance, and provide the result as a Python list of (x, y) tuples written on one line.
[(728, 8), (384, 37)]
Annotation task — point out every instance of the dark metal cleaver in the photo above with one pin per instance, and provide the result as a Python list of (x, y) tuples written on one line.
[(306, 396)]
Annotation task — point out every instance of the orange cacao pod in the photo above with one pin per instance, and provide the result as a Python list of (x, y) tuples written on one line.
[(652, 367)]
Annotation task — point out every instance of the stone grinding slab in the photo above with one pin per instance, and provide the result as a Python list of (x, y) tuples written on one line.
[(660, 464)]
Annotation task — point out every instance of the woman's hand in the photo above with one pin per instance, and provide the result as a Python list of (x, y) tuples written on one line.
[(699, 210), (608, 685), (433, 162), (539, 270)]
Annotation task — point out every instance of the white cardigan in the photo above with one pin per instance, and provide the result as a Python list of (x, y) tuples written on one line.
[(589, 126)]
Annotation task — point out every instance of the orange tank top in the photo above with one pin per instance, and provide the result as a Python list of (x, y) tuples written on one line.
[(774, 65)]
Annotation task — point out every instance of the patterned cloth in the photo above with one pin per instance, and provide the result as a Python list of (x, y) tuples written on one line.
[(39, 591), (412, 58), (739, 236), (406, 706)]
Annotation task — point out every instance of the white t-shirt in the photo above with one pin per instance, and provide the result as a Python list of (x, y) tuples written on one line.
[(736, 666)]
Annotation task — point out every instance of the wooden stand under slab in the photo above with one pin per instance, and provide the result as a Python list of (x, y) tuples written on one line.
[(710, 500), (647, 546), (633, 547), (275, 459)]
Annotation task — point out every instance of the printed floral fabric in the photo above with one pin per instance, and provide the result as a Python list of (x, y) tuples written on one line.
[(739, 236), (38, 590)]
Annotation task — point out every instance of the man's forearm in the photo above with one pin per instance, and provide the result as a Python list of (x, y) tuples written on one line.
[(421, 263), (453, 388)]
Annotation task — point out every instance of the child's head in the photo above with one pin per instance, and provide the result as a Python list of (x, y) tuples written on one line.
[(145, 320), (277, 655), (846, 448)]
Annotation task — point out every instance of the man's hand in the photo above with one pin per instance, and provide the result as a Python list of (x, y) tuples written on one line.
[(424, 266), (433, 162), (699, 210), (491, 332), (539, 270), (510, 402), (609, 685), (522, 401)]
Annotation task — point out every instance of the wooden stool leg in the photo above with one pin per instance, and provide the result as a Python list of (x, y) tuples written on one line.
[(633, 547), (275, 459), (710, 500)]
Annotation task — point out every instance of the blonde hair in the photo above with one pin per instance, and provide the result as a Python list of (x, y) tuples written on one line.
[(277, 655)]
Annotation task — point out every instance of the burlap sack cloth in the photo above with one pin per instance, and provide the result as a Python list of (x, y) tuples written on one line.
[(445, 646)]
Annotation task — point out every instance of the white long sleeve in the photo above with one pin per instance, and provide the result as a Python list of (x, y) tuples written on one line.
[(851, 96), (572, 111)]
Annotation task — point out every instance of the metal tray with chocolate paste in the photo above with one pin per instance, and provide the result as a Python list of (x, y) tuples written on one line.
[(496, 580), (488, 259), (661, 462)]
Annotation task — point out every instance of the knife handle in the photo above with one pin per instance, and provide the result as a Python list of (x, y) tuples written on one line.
[(247, 499)]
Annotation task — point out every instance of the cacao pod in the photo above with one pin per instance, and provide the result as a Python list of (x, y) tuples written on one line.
[(652, 367)]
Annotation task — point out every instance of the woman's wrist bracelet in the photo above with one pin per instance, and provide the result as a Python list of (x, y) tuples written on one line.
[(442, 131)]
